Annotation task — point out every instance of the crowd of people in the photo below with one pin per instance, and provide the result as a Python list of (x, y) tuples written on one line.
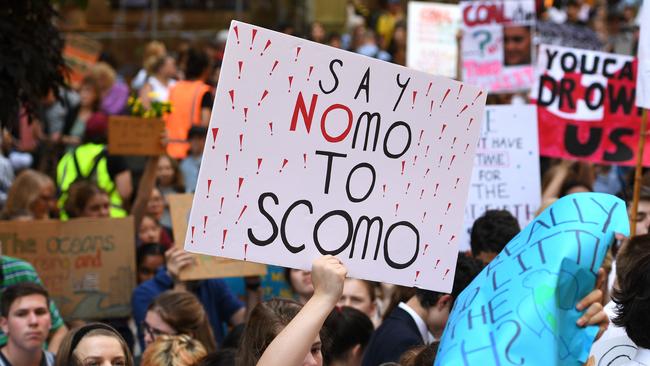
[(57, 167)]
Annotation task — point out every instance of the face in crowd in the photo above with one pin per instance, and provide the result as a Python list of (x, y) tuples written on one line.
[(642, 217), (516, 45), (356, 294), (100, 350), (28, 322)]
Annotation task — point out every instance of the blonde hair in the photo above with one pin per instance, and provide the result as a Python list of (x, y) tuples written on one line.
[(104, 74), (24, 191), (153, 49), (173, 350)]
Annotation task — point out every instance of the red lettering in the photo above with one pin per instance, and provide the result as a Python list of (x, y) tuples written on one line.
[(484, 14), (302, 108), (323, 119)]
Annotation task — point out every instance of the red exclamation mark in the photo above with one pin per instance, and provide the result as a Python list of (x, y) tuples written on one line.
[(417, 274), (275, 63), (442, 131), (415, 159), (421, 193), (470, 123), (304, 160), (430, 107), (451, 239), (415, 93), (232, 98), (263, 96), (424, 215), (456, 185), (453, 142), (445, 97), (241, 214), (241, 64), (311, 68), (466, 147), (284, 163), (420, 138), (290, 82), (236, 33), (403, 164), (384, 189), (424, 252), (408, 185), (435, 192), (209, 184), (478, 95), (459, 91), (271, 127), (215, 131), (227, 158), (426, 153), (446, 273), (192, 240), (462, 110), (253, 39), (396, 208), (297, 53), (241, 141), (437, 262), (427, 172), (448, 207), (205, 222), (440, 161), (223, 240), (241, 181), (428, 89), (221, 205), (259, 164), (245, 250), (245, 114), (439, 229), (451, 161), (268, 43)]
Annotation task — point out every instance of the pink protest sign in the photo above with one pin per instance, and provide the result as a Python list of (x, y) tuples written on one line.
[(313, 150)]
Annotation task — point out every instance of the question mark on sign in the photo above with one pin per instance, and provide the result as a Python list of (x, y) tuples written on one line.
[(486, 38)]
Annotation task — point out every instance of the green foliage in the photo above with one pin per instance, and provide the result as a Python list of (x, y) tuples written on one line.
[(31, 60)]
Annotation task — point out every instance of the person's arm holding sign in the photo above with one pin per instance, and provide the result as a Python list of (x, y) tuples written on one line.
[(296, 339)]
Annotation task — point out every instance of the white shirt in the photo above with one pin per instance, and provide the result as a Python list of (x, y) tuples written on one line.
[(161, 91), (427, 337), (614, 347), (642, 358)]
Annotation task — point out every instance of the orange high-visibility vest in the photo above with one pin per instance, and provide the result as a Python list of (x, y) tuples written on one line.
[(185, 98)]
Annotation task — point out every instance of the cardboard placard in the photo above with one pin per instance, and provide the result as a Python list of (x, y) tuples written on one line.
[(80, 54), (206, 266), (497, 44), (311, 149), (585, 106), (87, 265), (431, 44), (529, 292), (506, 173), (135, 136)]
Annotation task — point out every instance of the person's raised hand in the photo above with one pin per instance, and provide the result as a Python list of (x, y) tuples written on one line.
[(176, 259), (328, 274), (595, 313)]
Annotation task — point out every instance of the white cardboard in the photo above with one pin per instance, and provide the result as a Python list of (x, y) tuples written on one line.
[(506, 172), (262, 94), (643, 74)]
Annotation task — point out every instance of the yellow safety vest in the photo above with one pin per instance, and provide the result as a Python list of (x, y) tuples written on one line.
[(87, 161)]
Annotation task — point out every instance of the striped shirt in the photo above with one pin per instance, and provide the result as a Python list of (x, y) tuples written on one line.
[(16, 271), (47, 360)]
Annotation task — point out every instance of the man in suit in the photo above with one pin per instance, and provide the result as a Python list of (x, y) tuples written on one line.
[(420, 320)]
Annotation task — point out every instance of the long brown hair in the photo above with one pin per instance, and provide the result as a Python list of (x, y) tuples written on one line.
[(24, 191), (266, 321), (65, 354), (185, 313)]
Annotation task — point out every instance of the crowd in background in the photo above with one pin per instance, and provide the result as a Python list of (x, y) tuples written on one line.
[(57, 167)]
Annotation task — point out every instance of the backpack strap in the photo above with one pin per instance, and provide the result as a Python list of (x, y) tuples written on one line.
[(93, 169)]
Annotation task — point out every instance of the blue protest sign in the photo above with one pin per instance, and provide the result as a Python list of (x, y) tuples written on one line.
[(520, 310)]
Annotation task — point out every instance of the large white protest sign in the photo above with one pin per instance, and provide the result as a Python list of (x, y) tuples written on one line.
[(497, 44), (506, 172), (643, 75), (431, 44), (312, 150)]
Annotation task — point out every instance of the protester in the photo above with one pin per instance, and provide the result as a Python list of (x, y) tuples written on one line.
[(30, 197), (215, 296), (349, 331), (161, 71), (170, 181), (89, 104), (150, 231), (86, 199), (153, 49), (300, 283), (94, 344), (361, 295), (149, 257), (114, 92), (283, 332), (191, 164), (176, 350), (26, 321), (490, 234)]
